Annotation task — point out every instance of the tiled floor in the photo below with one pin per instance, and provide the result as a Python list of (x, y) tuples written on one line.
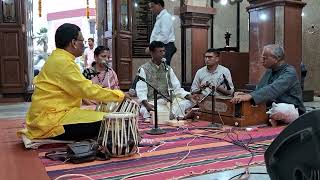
[(18, 110), (313, 105)]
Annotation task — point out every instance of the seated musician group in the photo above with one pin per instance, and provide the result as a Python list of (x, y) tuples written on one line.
[(60, 88)]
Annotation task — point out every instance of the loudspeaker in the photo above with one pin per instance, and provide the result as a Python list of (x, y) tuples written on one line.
[(295, 153)]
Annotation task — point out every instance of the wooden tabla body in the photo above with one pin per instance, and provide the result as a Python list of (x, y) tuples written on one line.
[(119, 134), (241, 114)]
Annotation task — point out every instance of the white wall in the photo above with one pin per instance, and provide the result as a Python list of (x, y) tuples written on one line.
[(51, 6)]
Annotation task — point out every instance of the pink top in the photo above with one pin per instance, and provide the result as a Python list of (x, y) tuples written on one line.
[(107, 79)]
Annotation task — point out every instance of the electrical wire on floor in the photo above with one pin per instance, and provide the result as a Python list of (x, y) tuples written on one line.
[(155, 170), (234, 139), (243, 173), (73, 175), (220, 118), (156, 147)]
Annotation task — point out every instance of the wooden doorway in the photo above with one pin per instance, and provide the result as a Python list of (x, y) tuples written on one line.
[(122, 41), (13, 57)]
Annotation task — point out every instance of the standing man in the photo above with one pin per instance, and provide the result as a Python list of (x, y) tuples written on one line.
[(163, 28), (213, 74), (89, 53), (279, 84), (162, 77)]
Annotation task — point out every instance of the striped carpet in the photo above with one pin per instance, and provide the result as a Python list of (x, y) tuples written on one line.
[(209, 152)]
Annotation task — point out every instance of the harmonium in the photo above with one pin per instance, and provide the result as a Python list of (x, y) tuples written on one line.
[(241, 114)]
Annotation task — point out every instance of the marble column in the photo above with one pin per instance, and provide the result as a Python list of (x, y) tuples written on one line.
[(195, 24)]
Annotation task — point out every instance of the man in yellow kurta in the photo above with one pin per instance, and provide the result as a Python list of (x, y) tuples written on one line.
[(59, 89)]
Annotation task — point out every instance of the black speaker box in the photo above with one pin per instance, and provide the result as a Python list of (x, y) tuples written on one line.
[(295, 153)]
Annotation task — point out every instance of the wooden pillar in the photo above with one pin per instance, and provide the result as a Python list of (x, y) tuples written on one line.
[(194, 41), (274, 21)]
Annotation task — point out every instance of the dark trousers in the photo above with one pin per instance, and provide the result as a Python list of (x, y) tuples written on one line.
[(80, 131), (170, 50)]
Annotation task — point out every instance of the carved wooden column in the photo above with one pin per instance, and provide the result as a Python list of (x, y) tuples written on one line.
[(194, 39), (274, 21)]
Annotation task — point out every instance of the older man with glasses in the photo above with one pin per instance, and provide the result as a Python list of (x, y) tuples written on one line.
[(279, 84)]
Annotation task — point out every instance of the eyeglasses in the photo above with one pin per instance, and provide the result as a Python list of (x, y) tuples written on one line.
[(266, 57), (80, 40), (210, 57), (263, 57)]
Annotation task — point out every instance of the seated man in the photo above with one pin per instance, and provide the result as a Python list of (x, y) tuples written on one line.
[(100, 73), (212, 74), (162, 77), (59, 88), (279, 84)]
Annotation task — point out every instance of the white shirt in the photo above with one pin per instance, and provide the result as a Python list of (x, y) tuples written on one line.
[(39, 65), (215, 78), (142, 87), (79, 63), (163, 28), (90, 56)]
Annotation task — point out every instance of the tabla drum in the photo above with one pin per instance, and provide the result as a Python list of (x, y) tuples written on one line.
[(108, 107), (128, 105), (119, 134)]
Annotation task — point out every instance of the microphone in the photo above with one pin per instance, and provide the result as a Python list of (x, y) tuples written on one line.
[(93, 73), (138, 77), (225, 81), (105, 64), (164, 61)]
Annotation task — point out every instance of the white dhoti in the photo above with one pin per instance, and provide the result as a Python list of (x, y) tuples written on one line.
[(179, 107)]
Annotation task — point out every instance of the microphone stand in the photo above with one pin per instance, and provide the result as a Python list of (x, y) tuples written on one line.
[(213, 124), (171, 116), (156, 130)]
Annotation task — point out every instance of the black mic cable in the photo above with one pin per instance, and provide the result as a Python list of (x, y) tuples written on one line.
[(164, 61), (225, 81), (105, 64)]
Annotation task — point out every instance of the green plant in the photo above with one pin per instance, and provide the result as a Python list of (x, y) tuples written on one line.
[(43, 38)]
